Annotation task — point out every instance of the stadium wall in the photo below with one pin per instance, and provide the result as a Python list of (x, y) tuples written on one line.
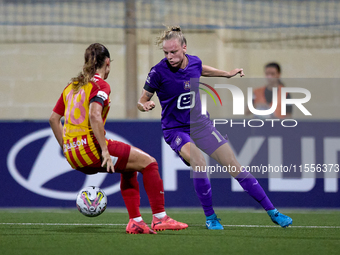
[(33, 75)]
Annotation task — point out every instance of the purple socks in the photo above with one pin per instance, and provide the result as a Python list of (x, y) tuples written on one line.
[(203, 190), (247, 181), (254, 189)]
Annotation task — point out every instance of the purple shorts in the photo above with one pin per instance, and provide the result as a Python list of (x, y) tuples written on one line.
[(204, 135)]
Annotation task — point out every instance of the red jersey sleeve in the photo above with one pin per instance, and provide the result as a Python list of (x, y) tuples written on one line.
[(59, 108), (100, 93)]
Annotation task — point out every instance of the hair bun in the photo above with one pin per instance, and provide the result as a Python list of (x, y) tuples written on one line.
[(176, 29)]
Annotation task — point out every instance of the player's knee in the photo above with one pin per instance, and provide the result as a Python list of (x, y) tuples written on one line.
[(232, 161), (198, 162), (151, 159), (147, 161)]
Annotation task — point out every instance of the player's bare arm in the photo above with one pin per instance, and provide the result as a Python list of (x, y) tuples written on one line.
[(144, 103), (57, 127), (97, 125), (209, 71)]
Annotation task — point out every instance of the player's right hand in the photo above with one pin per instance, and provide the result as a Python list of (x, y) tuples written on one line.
[(148, 106), (107, 162)]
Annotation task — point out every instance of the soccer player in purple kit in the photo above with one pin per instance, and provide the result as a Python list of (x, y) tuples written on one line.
[(187, 131)]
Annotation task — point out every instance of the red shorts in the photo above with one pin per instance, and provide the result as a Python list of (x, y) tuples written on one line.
[(117, 149)]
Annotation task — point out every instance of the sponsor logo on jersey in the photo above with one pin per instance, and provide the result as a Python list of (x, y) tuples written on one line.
[(186, 100), (76, 144)]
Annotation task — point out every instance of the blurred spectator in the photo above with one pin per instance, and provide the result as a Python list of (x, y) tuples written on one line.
[(262, 98)]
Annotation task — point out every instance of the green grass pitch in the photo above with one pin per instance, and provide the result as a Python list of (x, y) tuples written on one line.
[(66, 231)]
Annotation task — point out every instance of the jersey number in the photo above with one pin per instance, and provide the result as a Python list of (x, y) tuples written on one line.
[(216, 136), (70, 112)]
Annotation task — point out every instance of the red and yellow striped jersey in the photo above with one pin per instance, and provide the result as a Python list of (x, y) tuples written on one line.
[(80, 146)]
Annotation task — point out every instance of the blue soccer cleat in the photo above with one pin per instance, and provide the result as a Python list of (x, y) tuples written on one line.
[(213, 222), (279, 218)]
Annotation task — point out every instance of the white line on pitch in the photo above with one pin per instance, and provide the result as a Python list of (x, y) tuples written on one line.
[(65, 224), (273, 226), (112, 224), (171, 210)]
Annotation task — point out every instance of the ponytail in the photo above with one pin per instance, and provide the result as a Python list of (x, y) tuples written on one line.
[(95, 56)]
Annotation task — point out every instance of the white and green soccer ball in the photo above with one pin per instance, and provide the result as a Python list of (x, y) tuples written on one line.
[(91, 201)]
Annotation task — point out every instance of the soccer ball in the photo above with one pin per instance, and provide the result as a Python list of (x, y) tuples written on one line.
[(91, 201)]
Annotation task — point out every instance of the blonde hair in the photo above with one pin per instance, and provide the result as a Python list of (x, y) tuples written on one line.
[(94, 56), (171, 33)]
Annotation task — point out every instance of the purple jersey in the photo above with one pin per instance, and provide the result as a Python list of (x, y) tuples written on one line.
[(178, 92)]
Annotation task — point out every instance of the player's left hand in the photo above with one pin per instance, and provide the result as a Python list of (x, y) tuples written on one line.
[(107, 162), (236, 71)]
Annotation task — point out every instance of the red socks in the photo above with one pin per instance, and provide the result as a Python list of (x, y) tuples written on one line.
[(130, 191), (153, 186)]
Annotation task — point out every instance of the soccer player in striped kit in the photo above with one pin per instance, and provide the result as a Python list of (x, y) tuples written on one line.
[(84, 104), (186, 130)]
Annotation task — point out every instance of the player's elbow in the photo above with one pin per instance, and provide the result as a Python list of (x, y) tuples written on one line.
[(94, 117), (54, 119), (50, 120), (203, 73)]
